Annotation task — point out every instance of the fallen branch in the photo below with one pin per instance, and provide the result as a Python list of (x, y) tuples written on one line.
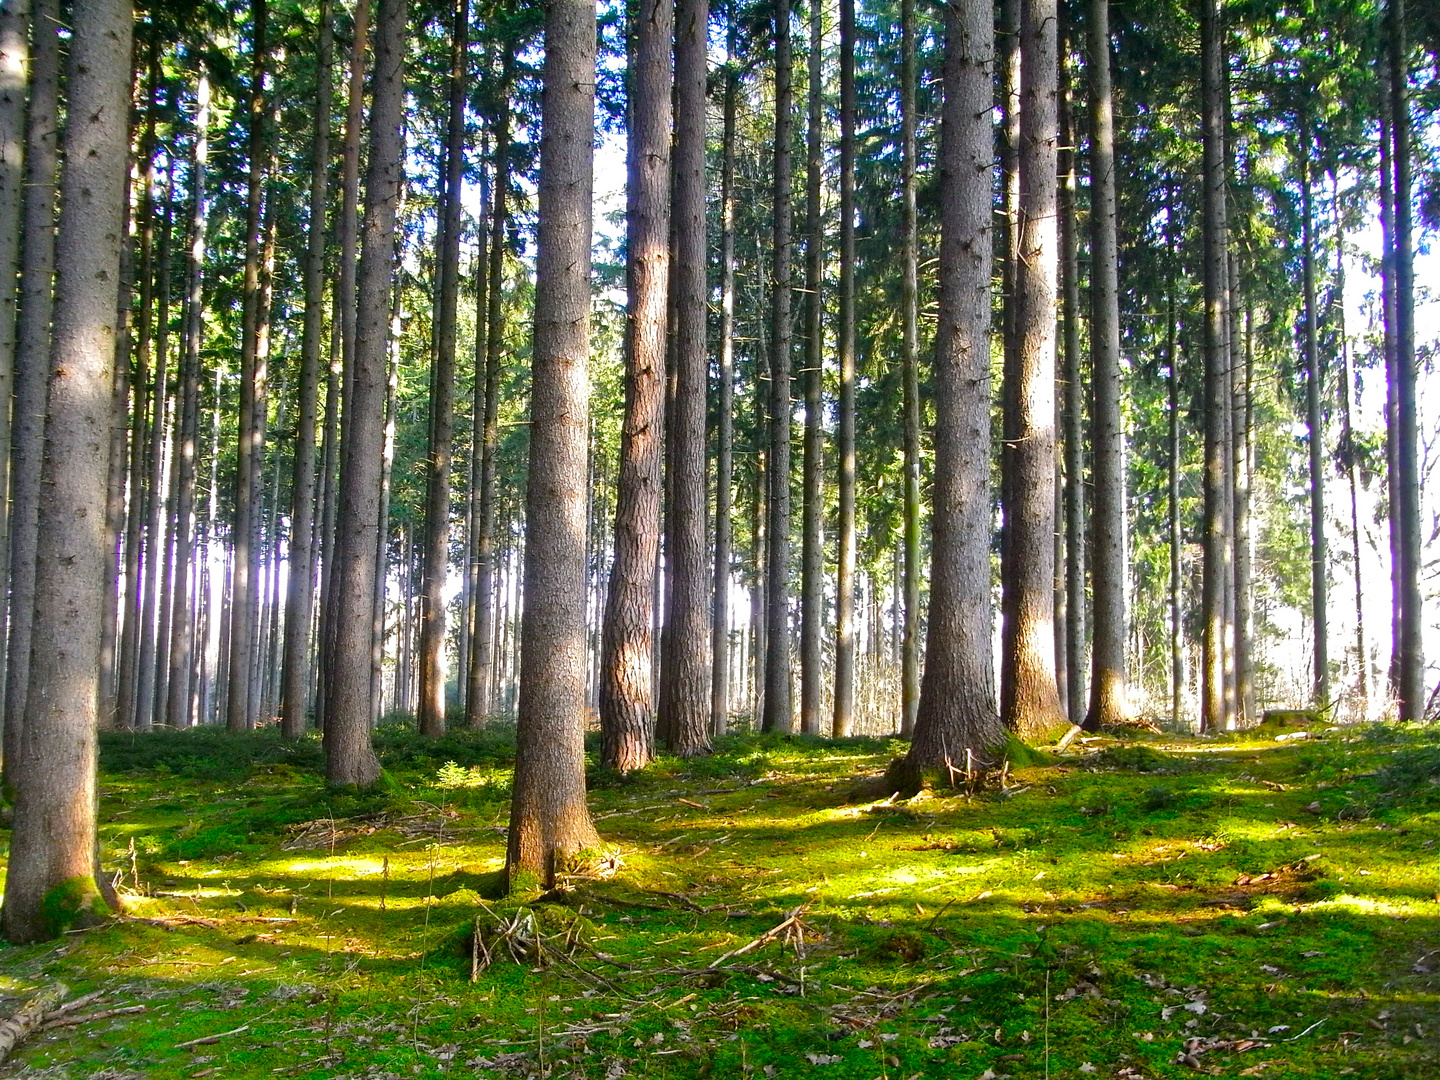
[(790, 927), (16, 1029), (86, 1018), (73, 1004), (206, 1040)]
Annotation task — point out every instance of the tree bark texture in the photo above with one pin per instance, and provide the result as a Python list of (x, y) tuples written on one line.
[(32, 353), (957, 699), (844, 717), (481, 694), (548, 815), (778, 714), (1108, 703), (812, 562), (627, 706), (725, 399), (685, 665), (1030, 702), (349, 757), (910, 375), (53, 843), (300, 586)]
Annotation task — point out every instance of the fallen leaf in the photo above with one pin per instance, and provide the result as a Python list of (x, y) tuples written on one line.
[(1086, 1067), (823, 1059)]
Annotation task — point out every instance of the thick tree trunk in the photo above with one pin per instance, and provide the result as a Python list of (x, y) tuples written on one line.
[(1030, 702), (32, 355), (725, 398), (684, 703), (163, 472), (53, 843), (300, 584), (1217, 707), (481, 694), (350, 758), (470, 610), (1387, 322), (1072, 661), (548, 815), (442, 402), (627, 644), (844, 717), (1177, 626), (1242, 421), (1107, 438), (910, 375), (778, 714), (812, 565), (958, 716)]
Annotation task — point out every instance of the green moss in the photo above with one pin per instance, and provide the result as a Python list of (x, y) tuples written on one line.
[(73, 905)]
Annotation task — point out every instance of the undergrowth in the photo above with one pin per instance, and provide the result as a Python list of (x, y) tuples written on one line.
[(1147, 908)]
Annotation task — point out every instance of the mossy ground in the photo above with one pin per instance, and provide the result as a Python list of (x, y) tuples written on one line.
[(1089, 920)]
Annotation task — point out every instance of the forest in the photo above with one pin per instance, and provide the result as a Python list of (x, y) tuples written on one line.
[(543, 538)]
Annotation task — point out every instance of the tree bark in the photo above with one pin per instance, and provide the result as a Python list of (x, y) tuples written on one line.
[(1405, 498), (32, 354), (15, 58), (1348, 451), (844, 718), (350, 759), (1073, 413), (1177, 630), (725, 421), (627, 644), (812, 566), (778, 715), (910, 375), (684, 703), (349, 238), (957, 714), (1217, 707), (442, 402), (1108, 703), (1315, 434), (481, 693), (548, 815), (178, 709), (1030, 702), (239, 715), (300, 585), (53, 842)]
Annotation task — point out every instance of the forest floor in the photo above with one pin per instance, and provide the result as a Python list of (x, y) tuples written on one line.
[(1147, 907)]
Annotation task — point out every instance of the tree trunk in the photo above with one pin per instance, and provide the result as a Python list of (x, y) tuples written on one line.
[(469, 609), (178, 709), (1242, 421), (1405, 498), (163, 471), (725, 421), (1107, 438), (15, 59), (350, 758), (778, 715), (1073, 414), (32, 355), (1177, 632), (300, 584), (53, 843), (1392, 381), (239, 715), (910, 375), (627, 644), (684, 703), (957, 714), (349, 238), (844, 718), (1030, 702), (1315, 434), (548, 815), (1348, 452), (812, 566), (482, 687), (442, 402)]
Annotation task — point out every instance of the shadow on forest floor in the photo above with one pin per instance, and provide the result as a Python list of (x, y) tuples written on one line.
[(1140, 908)]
